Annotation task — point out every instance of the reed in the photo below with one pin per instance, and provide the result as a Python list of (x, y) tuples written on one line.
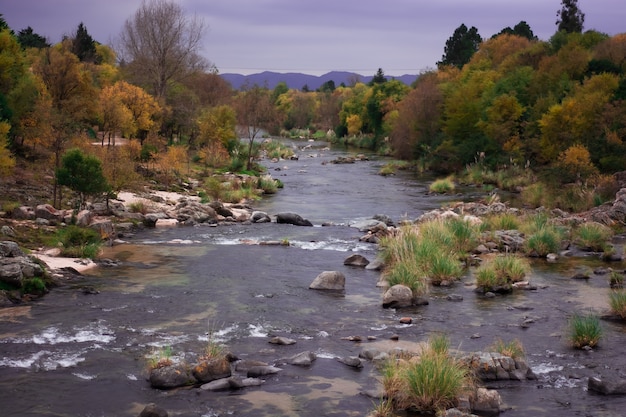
[(617, 302)]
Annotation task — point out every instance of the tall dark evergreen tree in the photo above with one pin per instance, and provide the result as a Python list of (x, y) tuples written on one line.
[(461, 46), (521, 29), (379, 77), (29, 39), (570, 18), (83, 45)]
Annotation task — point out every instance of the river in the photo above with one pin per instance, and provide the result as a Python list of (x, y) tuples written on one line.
[(85, 353)]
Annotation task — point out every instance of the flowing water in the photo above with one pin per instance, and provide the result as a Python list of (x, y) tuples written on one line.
[(80, 353)]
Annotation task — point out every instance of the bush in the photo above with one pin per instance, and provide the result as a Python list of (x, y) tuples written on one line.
[(34, 286), (78, 242), (585, 330), (442, 186), (592, 236), (617, 301)]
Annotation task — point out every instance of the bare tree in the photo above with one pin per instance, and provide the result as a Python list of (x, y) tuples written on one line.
[(159, 44)]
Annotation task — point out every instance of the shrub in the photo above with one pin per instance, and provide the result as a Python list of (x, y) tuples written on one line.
[(442, 186), (78, 242), (592, 236), (617, 301), (34, 286), (267, 184), (138, 207), (585, 330)]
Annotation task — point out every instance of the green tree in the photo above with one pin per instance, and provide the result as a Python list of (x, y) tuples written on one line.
[(29, 39), (570, 18), (521, 29), (83, 45), (82, 174), (460, 46)]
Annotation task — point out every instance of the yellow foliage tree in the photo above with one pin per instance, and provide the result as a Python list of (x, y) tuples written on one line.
[(354, 123), (575, 164), (7, 162)]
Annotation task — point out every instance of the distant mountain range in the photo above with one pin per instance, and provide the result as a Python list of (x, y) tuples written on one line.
[(298, 80)]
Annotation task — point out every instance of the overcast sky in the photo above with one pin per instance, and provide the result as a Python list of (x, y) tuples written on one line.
[(317, 36)]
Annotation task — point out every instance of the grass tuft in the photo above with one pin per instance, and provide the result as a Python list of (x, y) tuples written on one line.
[(585, 330), (442, 186)]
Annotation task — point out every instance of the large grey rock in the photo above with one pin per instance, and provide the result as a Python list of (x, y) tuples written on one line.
[(257, 371), (607, 385), (104, 227), (153, 410), (260, 217), (212, 369), (302, 359), (10, 249), (23, 213), (486, 401), (329, 280), (356, 260), (172, 376), (292, 218), (46, 211), (491, 366), (398, 296), (150, 219)]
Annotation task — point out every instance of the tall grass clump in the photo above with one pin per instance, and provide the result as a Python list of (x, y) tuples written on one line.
[(442, 186), (513, 348), (499, 274), (544, 237), (617, 302), (429, 383), (78, 242), (268, 184), (592, 236), (585, 330), (464, 234), (501, 221)]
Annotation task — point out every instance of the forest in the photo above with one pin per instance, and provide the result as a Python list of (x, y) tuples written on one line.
[(510, 111)]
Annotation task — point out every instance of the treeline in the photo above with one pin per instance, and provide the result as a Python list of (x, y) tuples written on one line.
[(555, 105)]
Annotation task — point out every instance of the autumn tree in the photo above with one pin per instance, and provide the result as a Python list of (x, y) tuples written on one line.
[(160, 44), (217, 135), (417, 131), (255, 112), (7, 161), (72, 97), (570, 18), (460, 46)]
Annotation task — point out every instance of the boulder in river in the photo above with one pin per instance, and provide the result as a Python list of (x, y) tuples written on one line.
[(292, 218), (172, 376), (398, 296), (356, 260), (212, 369), (607, 386), (153, 410), (329, 280)]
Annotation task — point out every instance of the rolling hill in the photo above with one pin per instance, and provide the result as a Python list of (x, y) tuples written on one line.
[(298, 80)]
